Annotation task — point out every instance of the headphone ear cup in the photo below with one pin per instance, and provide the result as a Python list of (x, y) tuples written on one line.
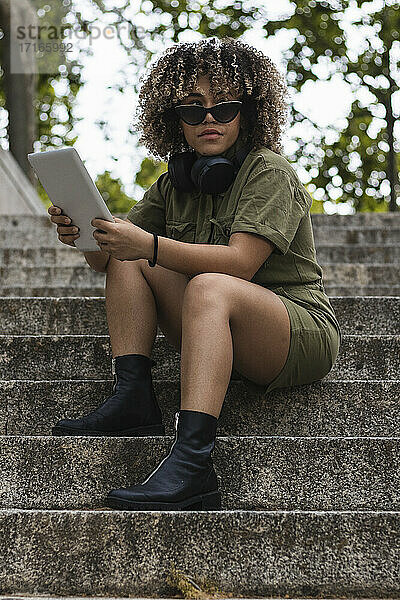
[(213, 174), (179, 170)]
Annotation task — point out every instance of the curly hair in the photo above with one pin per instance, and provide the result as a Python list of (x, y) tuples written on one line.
[(230, 65)]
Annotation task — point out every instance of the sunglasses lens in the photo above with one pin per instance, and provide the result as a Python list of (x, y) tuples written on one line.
[(226, 112), (193, 115)]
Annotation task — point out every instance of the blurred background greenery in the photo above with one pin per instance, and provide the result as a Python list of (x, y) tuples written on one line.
[(356, 164)]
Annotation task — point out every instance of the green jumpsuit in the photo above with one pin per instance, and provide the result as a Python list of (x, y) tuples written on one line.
[(266, 198)]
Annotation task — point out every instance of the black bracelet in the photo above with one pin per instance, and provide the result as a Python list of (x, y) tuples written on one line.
[(153, 262)]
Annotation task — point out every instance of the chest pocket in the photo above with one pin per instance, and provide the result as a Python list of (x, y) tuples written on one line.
[(221, 230), (183, 232)]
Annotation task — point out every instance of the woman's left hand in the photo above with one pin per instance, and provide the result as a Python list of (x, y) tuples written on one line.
[(123, 240)]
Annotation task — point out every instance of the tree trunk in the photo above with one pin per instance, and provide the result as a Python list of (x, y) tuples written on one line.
[(20, 91)]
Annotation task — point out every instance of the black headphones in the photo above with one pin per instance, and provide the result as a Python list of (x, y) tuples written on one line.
[(210, 174)]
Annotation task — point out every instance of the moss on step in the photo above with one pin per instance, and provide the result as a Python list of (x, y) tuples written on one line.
[(187, 587)]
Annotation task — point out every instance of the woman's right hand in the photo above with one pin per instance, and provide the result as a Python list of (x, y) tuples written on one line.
[(67, 232)]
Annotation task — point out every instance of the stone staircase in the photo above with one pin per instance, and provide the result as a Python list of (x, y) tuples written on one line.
[(309, 476)]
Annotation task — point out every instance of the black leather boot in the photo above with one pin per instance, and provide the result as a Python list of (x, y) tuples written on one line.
[(185, 479), (132, 410)]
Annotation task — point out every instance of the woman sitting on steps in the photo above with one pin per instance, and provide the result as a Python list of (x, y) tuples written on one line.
[(219, 253)]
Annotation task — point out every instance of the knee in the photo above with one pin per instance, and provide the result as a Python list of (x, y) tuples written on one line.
[(205, 290), (119, 268)]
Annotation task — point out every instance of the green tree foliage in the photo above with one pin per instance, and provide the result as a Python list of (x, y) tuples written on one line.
[(362, 164), (113, 195), (365, 156), (53, 110), (167, 20), (150, 171)]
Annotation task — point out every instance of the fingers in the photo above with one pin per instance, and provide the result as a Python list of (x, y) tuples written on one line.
[(57, 216), (67, 232), (102, 224)]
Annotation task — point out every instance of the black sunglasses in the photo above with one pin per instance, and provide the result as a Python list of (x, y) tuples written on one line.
[(194, 114)]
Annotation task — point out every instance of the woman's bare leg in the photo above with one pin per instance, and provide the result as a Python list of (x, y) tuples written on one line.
[(225, 317), (137, 297), (131, 309), (205, 319)]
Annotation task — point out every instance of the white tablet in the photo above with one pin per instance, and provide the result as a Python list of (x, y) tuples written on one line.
[(69, 186)]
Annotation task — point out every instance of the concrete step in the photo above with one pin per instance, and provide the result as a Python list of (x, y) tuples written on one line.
[(325, 235), (33, 223), (322, 408), (41, 235), (12, 223), (59, 256), (359, 275), (71, 291), (360, 253), (37, 316), (89, 357), (365, 219), (305, 450), (383, 290), (45, 235), (264, 553), (18, 597), (356, 274), (182, 584), (38, 291), (12, 597), (51, 276), (63, 256), (254, 473)]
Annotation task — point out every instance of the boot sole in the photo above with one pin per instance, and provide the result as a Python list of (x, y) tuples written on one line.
[(210, 501), (134, 432)]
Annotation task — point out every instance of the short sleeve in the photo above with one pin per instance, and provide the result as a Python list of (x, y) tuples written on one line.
[(271, 205), (149, 212)]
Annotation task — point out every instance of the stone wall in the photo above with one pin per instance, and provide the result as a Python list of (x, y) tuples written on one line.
[(17, 194)]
